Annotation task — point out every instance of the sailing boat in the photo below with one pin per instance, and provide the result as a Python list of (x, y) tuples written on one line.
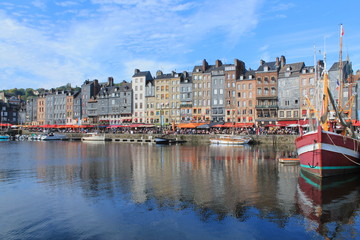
[(325, 152)]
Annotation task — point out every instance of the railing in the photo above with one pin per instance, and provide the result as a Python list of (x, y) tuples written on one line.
[(267, 106)]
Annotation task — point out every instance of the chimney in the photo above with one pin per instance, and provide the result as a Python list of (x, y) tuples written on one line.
[(205, 65), (218, 63), (110, 81), (136, 71), (159, 73), (277, 64), (262, 62), (282, 61), (186, 74)]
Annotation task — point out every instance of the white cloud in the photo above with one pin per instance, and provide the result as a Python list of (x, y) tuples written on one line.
[(113, 37)]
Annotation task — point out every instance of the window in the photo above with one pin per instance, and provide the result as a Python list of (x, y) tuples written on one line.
[(312, 91), (311, 81), (304, 81), (259, 80), (215, 91), (288, 114), (273, 91), (259, 91)]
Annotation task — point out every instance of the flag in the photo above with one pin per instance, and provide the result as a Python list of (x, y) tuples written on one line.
[(341, 30), (337, 84)]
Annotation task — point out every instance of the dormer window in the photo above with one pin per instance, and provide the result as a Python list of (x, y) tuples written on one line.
[(250, 76), (288, 68), (304, 71), (266, 68), (241, 77)]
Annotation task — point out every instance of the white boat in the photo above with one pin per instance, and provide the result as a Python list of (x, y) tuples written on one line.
[(52, 136), (94, 137), (230, 140)]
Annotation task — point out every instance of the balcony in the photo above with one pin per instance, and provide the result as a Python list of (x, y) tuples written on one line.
[(267, 106)]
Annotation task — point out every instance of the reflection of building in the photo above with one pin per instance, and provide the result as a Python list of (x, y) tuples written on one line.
[(214, 181)]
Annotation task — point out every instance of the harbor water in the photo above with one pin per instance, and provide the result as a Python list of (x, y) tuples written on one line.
[(111, 190)]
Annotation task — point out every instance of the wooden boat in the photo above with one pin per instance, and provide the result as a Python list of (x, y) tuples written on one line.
[(325, 152), (230, 140), (93, 137), (289, 160)]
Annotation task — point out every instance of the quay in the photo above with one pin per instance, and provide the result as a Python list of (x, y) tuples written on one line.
[(189, 138)]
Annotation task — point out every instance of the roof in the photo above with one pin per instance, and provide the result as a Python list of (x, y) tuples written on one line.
[(292, 68), (335, 66), (271, 65), (199, 69), (142, 74), (108, 90)]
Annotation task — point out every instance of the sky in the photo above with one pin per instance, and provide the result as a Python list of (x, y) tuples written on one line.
[(47, 44)]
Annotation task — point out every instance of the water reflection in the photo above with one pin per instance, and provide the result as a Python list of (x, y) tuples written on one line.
[(329, 204), (214, 182)]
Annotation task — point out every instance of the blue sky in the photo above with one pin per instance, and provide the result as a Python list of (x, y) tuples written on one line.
[(47, 43)]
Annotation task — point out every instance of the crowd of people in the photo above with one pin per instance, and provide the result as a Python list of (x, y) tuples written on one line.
[(170, 130)]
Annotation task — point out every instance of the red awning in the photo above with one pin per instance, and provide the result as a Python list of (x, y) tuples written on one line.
[(286, 123), (237, 125)]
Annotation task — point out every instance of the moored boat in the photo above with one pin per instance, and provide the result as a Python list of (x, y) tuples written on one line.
[(4, 137), (289, 160), (329, 150), (51, 136), (230, 140), (325, 153), (93, 137)]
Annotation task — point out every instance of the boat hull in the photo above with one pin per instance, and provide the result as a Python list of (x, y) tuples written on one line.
[(230, 140), (93, 138), (326, 154)]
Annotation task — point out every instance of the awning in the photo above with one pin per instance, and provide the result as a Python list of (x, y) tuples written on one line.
[(189, 125), (237, 125)]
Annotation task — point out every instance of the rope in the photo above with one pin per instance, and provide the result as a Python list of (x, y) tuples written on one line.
[(342, 153)]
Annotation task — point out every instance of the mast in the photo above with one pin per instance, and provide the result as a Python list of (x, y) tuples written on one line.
[(325, 99), (341, 84)]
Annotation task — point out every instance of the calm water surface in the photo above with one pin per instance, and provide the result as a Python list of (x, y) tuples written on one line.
[(74, 190)]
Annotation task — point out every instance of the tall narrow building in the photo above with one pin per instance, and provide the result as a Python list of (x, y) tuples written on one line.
[(139, 80)]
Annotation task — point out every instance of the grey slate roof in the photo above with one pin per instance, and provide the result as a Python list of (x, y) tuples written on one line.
[(124, 87), (295, 69), (271, 65), (141, 74)]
